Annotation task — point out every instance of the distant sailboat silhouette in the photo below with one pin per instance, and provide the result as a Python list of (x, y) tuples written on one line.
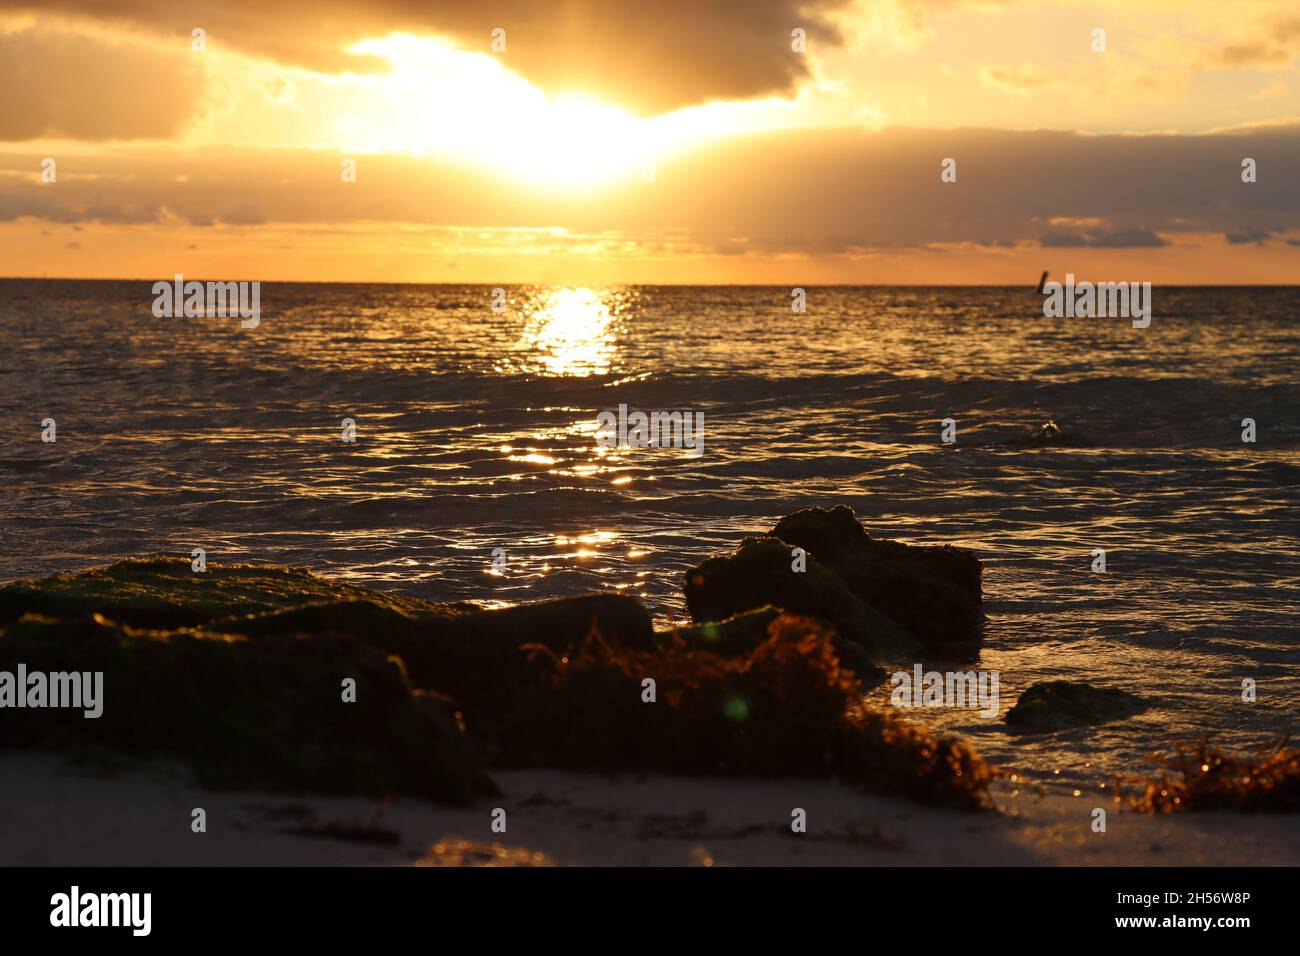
[(1042, 281)]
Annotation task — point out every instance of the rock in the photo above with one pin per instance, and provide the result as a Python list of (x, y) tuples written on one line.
[(737, 634), (485, 659), (741, 633), (248, 713), (481, 658), (1048, 433), (434, 637), (933, 593), (378, 625), (262, 600), (162, 592), (1057, 704), (759, 573), (886, 597), (558, 624)]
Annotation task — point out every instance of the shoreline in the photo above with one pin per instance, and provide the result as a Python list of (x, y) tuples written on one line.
[(55, 813), (309, 721)]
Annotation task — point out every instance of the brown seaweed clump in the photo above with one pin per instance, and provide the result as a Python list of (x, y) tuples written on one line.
[(1209, 779), (788, 707)]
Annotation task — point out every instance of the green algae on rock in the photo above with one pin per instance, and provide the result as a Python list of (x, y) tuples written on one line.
[(1057, 704), (741, 633), (933, 593), (737, 634), (759, 573), (223, 668), (163, 592), (476, 655), (885, 597)]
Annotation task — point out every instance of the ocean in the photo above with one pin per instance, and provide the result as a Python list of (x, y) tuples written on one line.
[(475, 431)]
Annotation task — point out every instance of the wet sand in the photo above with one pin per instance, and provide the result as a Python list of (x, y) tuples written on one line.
[(52, 813)]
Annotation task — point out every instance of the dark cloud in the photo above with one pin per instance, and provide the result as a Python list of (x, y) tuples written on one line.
[(1257, 236), (1103, 239), (808, 192), (652, 55), (1279, 44), (66, 86)]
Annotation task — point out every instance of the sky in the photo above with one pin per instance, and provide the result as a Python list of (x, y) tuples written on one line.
[(656, 141)]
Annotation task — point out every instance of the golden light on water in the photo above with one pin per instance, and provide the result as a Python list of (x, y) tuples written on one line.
[(571, 333)]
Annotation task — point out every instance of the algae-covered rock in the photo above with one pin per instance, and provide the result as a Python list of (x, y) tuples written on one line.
[(934, 593), (557, 624), (883, 596), (759, 572), (245, 713), (264, 617), (367, 619), (486, 659), (736, 634), (1057, 704), (258, 601), (741, 633), (162, 592)]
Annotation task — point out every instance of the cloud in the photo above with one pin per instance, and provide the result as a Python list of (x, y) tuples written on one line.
[(1103, 239), (1025, 78), (1253, 235), (1279, 44), (805, 193), (61, 85), (651, 56)]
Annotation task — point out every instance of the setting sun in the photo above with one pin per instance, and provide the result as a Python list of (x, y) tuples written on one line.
[(498, 120)]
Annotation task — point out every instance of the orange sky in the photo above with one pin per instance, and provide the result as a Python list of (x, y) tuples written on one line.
[(634, 142)]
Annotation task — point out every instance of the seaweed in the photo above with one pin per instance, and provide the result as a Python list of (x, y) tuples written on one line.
[(788, 707), (1210, 779)]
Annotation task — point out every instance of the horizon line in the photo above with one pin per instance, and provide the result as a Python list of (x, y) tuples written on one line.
[(684, 285)]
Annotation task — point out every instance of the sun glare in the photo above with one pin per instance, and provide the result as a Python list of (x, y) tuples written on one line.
[(471, 107)]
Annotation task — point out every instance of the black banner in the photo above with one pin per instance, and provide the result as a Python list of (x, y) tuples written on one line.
[(332, 906)]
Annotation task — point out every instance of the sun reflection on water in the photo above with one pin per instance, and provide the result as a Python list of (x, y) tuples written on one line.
[(571, 333)]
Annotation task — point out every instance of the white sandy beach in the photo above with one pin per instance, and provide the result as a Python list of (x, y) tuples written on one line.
[(54, 814)]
